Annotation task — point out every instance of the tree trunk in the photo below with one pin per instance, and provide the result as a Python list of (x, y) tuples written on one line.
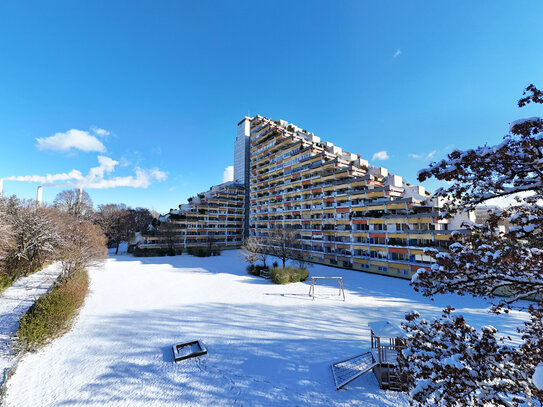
[(284, 261), (117, 251)]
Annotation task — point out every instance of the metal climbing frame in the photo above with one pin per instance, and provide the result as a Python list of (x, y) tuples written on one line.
[(315, 279)]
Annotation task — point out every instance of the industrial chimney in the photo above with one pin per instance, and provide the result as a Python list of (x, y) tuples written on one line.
[(39, 196), (80, 196)]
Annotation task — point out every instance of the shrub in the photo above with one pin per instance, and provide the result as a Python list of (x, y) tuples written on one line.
[(255, 269), (288, 275), (179, 251), (200, 251), (51, 315), (189, 250), (139, 252), (5, 282), (252, 270)]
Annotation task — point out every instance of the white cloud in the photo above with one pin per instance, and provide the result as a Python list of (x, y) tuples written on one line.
[(71, 140), (228, 174), (48, 178), (428, 156), (397, 53), (142, 179), (107, 165), (380, 155), (100, 132), (96, 178)]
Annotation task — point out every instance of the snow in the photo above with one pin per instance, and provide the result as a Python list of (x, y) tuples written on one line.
[(268, 345), (538, 376), (14, 302), (522, 121), (385, 329)]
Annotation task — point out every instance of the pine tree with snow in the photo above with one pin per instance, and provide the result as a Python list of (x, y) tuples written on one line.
[(446, 360)]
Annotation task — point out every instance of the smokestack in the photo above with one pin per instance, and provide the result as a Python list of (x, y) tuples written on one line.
[(79, 195), (1, 186), (39, 196)]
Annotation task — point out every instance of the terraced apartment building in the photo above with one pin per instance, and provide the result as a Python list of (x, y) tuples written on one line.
[(211, 218), (348, 213)]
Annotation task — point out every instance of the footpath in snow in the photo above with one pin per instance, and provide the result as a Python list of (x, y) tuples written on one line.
[(268, 345), (14, 302)]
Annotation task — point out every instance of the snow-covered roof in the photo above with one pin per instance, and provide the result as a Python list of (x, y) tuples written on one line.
[(386, 329)]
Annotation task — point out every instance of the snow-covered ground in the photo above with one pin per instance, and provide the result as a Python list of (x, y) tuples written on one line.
[(14, 302), (268, 345)]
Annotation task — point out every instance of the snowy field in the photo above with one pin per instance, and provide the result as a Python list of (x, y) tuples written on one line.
[(268, 345)]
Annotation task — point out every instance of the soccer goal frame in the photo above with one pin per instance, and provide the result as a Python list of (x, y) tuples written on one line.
[(314, 280)]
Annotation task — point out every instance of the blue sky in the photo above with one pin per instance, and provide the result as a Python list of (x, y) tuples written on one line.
[(160, 86)]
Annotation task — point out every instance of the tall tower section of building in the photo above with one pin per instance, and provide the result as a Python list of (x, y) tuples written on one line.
[(241, 163), (241, 151)]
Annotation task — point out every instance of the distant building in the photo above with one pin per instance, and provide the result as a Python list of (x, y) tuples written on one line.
[(212, 218)]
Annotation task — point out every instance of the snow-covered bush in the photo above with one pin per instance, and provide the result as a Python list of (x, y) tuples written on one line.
[(492, 262), (449, 363), (538, 376)]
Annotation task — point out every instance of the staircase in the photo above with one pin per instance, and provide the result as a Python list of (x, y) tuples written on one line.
[(391, 379)]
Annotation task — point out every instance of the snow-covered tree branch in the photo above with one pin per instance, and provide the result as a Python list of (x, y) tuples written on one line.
[(502, 260)]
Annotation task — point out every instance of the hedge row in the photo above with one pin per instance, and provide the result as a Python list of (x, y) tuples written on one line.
[(203, 251), (5, 282), (157, 252), (52, 314), (198, 251)]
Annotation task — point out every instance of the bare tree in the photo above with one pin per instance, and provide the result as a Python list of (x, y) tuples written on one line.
[(34, 237), (116, 222), (75, 203), (168, 230), (83, 245), (282, 243), (142, 218), (5, 230), (263, 252), (250, 251)]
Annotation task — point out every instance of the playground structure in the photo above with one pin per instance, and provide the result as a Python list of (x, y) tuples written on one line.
[(314, 280), (386, 341)]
